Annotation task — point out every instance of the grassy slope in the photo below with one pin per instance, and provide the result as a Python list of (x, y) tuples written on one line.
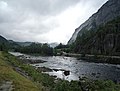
[(8, 74)]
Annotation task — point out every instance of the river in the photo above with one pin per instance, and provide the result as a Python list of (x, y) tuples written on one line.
[(77, 68)]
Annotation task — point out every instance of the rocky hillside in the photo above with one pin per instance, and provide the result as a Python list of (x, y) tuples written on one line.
[(105, 40), (109, 11)]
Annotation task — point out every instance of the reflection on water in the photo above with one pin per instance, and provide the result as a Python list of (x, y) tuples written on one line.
[(60, 74), (78, 68)]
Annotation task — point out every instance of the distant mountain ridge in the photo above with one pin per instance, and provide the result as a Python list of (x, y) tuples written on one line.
[(109, 11), (14, 44), (24, 43), (53, 45)]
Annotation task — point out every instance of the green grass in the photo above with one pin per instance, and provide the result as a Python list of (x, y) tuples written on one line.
[(8, 74), (100, 85)]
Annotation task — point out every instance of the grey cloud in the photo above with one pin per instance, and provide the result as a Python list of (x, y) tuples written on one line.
[(29, 20), (43, 7)]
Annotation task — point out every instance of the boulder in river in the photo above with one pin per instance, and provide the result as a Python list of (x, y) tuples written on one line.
[(66, 73)]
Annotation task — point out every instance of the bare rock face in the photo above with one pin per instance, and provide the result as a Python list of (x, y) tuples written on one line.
[(109, 11)]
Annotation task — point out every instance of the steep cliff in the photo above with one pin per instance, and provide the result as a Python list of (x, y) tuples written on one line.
[(105, 40), (109, 11)]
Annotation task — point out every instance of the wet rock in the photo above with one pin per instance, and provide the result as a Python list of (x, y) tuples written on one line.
[(56, 70), (31, 61), (66, 73), (117, 81), (93, 74), (62, 70), (44, 69), (36, 61), (54, 76), (98, 73), (36, 65), (97, 76)]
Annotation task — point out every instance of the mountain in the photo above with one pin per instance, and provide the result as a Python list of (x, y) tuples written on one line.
[(100, 34), (53, 45), (3, 40), (3, 43), (109, 11), (104, 40), (7, 44), (13, 44), (24, 43)]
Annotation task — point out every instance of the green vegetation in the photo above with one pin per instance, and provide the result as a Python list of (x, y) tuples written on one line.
[(6, 45), (36, 48), (58, 50), (3, 47), (99, 85), (60, 46), (103, 40), (28, 48), (44, 82), (3, 44), (19, 82)]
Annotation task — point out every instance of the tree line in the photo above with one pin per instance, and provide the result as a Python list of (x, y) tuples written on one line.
[(36, 48)]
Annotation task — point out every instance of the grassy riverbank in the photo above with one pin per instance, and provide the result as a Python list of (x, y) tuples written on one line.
[(19, 82), (100, 59), (27, 78), (95, 58)]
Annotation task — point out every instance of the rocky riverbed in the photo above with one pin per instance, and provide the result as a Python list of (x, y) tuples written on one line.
[(57, 65)]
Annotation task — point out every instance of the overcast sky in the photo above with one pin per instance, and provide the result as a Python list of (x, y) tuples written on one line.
[(44, 20)]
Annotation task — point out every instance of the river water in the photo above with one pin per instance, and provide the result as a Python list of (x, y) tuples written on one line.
[(77, 68)]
